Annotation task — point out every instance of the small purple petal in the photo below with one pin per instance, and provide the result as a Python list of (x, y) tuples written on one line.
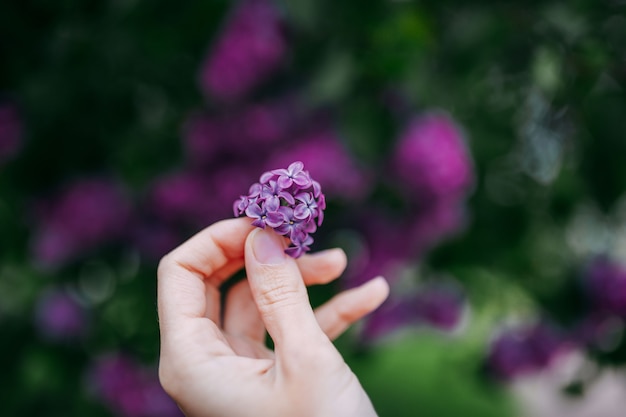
[(267, 176), (254, 210), (255, 190), (284, 181), (274, 219), (302, 212), (295, 251), (240, 206), (302, 179), (259, 223), (295, 167)]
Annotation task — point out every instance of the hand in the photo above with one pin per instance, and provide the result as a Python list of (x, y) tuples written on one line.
[(214, 367)]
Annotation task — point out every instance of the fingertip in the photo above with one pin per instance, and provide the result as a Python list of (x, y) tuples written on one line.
[(380, 283), (378, 289), (324, 266), (335, 257)]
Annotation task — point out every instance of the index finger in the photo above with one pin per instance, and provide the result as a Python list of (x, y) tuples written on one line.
[(212, 254)]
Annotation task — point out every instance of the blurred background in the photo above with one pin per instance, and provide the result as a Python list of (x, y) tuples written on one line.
[(472, 152)]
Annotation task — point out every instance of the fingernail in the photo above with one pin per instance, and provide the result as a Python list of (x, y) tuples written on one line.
[(268, 248)]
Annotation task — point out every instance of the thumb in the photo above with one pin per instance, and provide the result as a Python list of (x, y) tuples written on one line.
[(279, 291)]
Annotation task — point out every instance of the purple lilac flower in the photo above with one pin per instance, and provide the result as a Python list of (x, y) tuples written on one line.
[(275, 200), (130, 390), (432, 159), (330, 162), (265, 214), (87, 214), (59, 316), (605, 283), (251, 46), (10, 131), (525, 349)]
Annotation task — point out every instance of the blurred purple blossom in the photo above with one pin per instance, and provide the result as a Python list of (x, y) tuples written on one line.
[(251, 47), (203, 138), (10, 131), (434, 305), (270, 122), (155, 239), (394, 314), (431, 158), (382, 252), (275, 200), (605, 285), (227, 183), (440, 306), (190, 199), (181, 197), (129, 389), (599, 331), (85, 215), (525, 349), (59, 316), (329, 162), (241, 131), (433, 223)]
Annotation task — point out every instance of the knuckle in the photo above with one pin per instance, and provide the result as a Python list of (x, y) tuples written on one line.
[(163, 264), (278, 290)]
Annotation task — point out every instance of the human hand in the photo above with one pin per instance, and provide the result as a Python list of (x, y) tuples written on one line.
[(213, 367)]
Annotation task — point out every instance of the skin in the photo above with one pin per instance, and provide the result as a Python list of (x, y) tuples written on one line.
[(222, 368)]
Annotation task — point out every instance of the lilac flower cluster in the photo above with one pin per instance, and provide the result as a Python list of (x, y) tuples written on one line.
[(287, 200), (525, 349)]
